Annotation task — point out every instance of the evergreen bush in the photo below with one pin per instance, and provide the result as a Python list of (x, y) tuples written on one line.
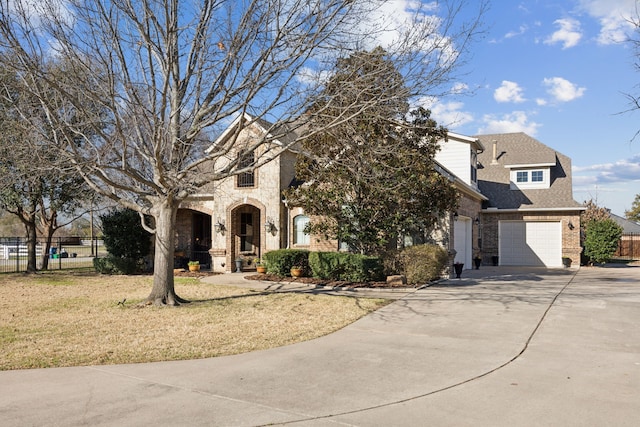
[(280, 261), (126, 241), (423, 263), (601, 240), (345, 266), (115, 265)]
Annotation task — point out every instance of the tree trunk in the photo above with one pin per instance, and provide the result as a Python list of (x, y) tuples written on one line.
[(32, 241), (163, 292)]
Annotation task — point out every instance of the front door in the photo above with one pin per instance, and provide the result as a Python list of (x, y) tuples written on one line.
[(247, 236)]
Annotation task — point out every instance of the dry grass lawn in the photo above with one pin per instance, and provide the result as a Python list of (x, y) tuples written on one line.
[(70, 319)]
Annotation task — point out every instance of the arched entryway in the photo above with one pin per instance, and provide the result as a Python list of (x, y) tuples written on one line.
[(246, 235), (193, 238)]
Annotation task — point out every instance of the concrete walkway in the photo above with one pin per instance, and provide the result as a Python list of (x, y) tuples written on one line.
[(499, 347)]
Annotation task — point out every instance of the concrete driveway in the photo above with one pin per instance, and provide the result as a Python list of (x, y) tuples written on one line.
[(499, 347)]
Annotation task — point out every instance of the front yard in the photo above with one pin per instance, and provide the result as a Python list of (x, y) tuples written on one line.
[(70, 319)]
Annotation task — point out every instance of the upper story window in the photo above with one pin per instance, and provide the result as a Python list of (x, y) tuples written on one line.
[(529, 178), (246, 179), (300, 234)]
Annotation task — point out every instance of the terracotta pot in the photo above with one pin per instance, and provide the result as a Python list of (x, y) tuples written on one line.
[(296, 272), (261, 269), (194, 267)]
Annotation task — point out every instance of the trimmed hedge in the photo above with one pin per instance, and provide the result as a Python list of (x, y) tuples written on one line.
[(280, 261), (345, 266), (423, 263)]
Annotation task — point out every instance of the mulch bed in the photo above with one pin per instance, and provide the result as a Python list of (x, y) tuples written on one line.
[(304, 280), (320, 282)]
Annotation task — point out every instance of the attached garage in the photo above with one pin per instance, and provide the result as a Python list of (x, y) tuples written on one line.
[(534, 243)]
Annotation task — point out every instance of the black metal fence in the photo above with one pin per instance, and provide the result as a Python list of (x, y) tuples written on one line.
[(64, 253), (628, 247)]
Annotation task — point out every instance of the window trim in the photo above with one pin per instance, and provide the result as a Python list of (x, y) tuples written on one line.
[(246, 179), (523, 179), (306, 237)]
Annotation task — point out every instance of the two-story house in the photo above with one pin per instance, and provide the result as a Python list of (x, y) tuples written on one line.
[(243, 217)]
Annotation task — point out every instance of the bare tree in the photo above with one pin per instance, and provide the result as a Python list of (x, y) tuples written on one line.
[(169, 75)]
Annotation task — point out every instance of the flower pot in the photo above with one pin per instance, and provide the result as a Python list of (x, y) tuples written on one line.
[(477, 262), (194, 267), (458, 269), (238, 266), (261, 269), (566, 262), (296, 272)]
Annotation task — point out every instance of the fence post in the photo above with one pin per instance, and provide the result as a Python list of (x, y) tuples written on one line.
[(59, 253), (18, 254)]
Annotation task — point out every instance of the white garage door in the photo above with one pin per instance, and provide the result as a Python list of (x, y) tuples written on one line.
[(531, 243)]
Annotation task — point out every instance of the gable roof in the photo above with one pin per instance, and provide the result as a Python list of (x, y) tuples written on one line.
[(519, 150), (278, 134), (627, 226)]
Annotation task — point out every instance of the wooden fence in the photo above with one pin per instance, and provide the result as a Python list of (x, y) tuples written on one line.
[(629, 246)]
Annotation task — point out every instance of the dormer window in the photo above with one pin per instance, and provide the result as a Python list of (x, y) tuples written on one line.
[(529, 179)]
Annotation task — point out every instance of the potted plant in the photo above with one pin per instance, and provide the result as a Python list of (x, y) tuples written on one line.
[(477, 260), (296, 271), (260, 266), (458, 269), (194, 265), (566, 261), (238, 265)]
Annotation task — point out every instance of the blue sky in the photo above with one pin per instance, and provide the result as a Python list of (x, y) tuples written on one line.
[(559, 71)]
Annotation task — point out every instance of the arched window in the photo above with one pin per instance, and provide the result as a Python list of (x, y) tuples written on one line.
[(300, 236)]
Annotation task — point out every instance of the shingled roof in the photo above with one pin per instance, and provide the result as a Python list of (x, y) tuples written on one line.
[(519, 150)]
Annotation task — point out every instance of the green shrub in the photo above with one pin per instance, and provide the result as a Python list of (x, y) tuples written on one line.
[(345, 266), (422, 263), (280, 261), (124, 236), (114, 265), (601, 239), (326, 265)]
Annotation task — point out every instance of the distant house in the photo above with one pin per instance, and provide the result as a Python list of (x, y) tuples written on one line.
[(530, 217), (629, 246)]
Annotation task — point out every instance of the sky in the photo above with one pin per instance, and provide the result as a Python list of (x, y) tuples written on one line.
[(559, 71)]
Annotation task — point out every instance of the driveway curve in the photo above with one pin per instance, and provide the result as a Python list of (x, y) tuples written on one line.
[(499, 347)]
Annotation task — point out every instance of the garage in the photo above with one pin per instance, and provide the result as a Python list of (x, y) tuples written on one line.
[(534, 243)]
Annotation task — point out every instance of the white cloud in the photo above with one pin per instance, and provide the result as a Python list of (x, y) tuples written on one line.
[(449, 114), (613, 16), (521, 30), (516, 121), (562, 90), (459, 88), (568, 34), (508, 92), (621, 171)]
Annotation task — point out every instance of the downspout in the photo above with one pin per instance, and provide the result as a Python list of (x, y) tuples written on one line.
[(287, 227)]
